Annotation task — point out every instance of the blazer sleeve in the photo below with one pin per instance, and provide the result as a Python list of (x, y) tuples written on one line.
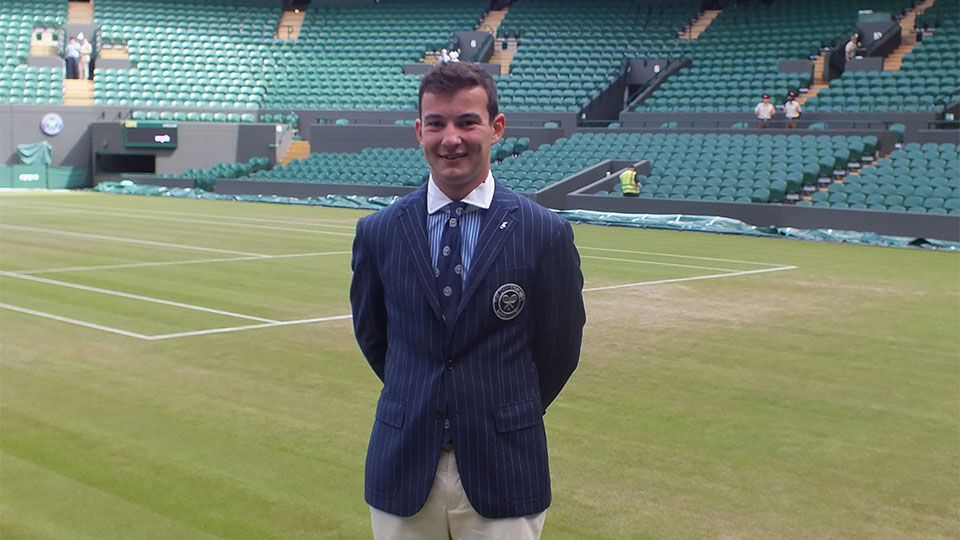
[(367, 302), (561, 316)]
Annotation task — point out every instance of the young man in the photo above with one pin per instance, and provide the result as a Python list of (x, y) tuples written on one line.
[(764, 111), (792, 110), (467, 303)]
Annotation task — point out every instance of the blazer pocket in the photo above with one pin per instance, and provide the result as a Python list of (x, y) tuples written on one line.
[(517, 416), (390, 412)]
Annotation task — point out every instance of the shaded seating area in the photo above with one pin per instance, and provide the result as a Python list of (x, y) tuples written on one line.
[(20, 83), (917, 178)]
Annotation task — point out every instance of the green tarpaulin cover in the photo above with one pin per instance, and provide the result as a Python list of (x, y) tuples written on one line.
[(35, 153)]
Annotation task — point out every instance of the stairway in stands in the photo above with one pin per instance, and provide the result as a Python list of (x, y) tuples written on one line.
[(501, 55), (908, 39), (297, 150), (699, 25), (80, 12), (77, 91), (288, 29), (818, 83)]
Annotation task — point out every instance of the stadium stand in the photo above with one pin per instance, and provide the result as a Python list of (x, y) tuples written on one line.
[(928, 79), (571, 50), (236, 71), (736, 58), (917, 178), (19, 82)]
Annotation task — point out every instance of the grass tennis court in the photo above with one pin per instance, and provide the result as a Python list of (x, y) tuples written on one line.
[(186, 369)]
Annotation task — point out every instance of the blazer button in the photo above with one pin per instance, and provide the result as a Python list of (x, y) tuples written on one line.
[(446, 424), (450, 364)]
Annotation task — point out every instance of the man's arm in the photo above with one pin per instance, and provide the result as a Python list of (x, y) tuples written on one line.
[(560, 314), (367, 303)]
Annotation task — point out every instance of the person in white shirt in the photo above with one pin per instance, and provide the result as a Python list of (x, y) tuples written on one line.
[(764, 111), (851, 49), (792, 110)]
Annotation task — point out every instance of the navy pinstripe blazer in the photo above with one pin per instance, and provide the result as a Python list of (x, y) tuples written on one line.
[(483, 381)]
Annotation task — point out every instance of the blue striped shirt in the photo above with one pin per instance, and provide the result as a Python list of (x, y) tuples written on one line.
[(469, 230), (438, 212)]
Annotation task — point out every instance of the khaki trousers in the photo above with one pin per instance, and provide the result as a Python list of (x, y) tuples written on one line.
[(448, 515)]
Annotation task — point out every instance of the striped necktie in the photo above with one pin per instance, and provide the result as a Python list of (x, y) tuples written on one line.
[(449, 264)]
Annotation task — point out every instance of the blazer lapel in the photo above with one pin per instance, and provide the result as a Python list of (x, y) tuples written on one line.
[(413, 221), (497, 226)]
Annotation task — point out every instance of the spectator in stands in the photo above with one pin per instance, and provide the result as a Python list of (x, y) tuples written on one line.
[(73, 58), (455, 55), (467, 304), (764, 111), (792, 110), (444, 56), (628, 182), (850, 51), (86, 49)]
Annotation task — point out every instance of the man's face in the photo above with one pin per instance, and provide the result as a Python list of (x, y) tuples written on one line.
[(456, 134)]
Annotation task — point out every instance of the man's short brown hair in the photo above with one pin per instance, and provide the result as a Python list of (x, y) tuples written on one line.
[(446, 79)]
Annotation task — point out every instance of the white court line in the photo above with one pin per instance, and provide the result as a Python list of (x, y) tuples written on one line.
[(133, 296), (176, 263), (694, 278), (132, 215), (657, 263), (341, 317), (73, 321), (127, 240), (250, 327), (678, 256), (317, 222)]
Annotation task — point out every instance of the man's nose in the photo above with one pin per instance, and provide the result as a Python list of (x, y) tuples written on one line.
[(451, 137)]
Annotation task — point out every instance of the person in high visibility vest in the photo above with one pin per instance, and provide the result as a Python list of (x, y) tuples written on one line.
[(628, 183)]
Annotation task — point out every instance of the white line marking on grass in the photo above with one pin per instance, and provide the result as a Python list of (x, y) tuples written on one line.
[(335, 224), (678, 256), (657, 263), (127, 240), (176, 263), (133, 296), (132, 215), (694, 278), (74, 321), (250, 327)]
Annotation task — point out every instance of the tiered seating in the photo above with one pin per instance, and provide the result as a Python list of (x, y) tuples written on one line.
[(192, 54), (711, 167), (186, 53), (918, 178), (570, 50), (20, 83), (407, 168), (226, 170), (407, 165), (735, 60), (193, 116), (336, 65), (928, 79)]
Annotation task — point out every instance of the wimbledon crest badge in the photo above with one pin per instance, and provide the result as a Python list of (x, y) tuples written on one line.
[(508, 301)]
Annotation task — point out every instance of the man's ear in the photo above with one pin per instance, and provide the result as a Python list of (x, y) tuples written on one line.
[(499, 124), (417, 126)]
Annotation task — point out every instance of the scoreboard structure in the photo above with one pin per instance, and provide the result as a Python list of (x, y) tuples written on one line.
[(149, 134)]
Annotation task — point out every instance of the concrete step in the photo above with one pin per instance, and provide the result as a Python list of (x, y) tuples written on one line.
[(297, 150), (80, 13), (115, 54), (288, 29)]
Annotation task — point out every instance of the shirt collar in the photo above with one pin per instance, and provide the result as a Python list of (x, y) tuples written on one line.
[(480, 197)]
